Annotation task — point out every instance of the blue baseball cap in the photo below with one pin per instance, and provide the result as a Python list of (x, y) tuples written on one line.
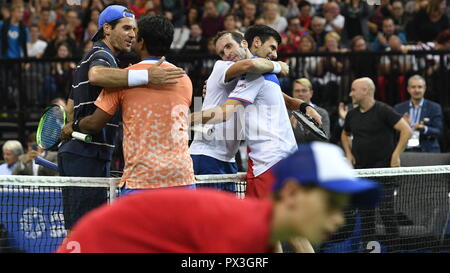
[(110, 14), (324, 165)]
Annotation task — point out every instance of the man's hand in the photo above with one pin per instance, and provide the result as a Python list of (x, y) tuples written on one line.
[(67, 131), (350, 158), (30, 155), (159, 75), (395, 160), (284, 69), (310, 111), (343, 110), (419, 126)]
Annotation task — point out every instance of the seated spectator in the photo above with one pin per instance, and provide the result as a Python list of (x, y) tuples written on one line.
[(334, 20), (428, 22), (305, 15), (399, 16), (273, 18), (328, 83), (381, 41), (290, 40), (305, 66), (380, 12), (230, 23), (424, 117), (35, 46), (196, 43), (356, 14), (58, 83), (302, 89), (176, 9), (46, 26), (362, 65), (26, 165), (393, 70), (12, 149), (61, 36), (318, 30), (192, 17), (249, 15), (212, 21)]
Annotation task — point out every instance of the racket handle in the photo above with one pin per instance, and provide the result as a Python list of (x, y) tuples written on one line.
[(46, 163), (201, 129), (81, 136)]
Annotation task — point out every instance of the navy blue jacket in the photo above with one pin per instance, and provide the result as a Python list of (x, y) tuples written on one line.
[(432, 117)]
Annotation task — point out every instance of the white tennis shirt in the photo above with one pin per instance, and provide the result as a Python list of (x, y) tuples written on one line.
[(224, 142), (268, 130)]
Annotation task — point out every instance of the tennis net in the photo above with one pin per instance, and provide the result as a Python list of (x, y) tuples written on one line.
[(413, 216)]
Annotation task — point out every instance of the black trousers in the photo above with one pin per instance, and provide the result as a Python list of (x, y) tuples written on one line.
[(77, 201)]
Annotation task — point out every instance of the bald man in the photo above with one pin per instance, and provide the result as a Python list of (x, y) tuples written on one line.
[(373, 125)]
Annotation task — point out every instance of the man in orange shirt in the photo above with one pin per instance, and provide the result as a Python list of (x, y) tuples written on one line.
[(46, 26), (154, 117)]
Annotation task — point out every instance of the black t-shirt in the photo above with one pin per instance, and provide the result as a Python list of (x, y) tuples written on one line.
[(373, 135)]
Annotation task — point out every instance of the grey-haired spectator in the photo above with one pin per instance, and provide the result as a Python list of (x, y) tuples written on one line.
[(12, 149), (273, 18), (318, 31), (212, 21)]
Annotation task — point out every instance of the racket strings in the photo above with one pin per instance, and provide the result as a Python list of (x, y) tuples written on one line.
[(52, 127)]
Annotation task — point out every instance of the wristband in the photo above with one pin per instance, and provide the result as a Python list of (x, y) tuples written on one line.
[(303, 106), (76, 125), (276, 67), (137, 77)]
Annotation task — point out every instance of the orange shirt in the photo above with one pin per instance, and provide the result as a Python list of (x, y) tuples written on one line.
[(155, 123), (47, 30)]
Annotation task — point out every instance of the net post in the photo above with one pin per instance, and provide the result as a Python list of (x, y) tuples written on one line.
[(112, 191)]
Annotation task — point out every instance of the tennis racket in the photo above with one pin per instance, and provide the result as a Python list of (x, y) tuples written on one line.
[(310, 125), (49, 130)]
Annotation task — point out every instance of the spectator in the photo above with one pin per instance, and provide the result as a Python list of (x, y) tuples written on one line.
[(305, 15), (26, 165), (334, 20), (428, 22), (90, 31), (318, 30), (5, 12), (212, 21), (307, 66), (192, 17), (230, 23), (381, 41), (180, 37), (302, 89), (14, 35), (273, 18), (382, 11), (176, 10), (58, 83), (399, 16), (35, 46), (12, 149), (196, 43), (60, 37), (423, 116), (74, 28), (90, 15), (46, 27), (373, 125), (361, 63), (249, 15), (139, 7), (393, 71), (290, 40), (331, 67), (356, 14)]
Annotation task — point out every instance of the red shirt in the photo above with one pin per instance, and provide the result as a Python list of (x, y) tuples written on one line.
[(174, 220)]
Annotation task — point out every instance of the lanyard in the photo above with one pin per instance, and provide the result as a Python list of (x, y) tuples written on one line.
[(414, 113)]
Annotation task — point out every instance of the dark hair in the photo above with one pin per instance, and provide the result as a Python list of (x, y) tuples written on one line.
[(157, 32), (237, 36), (113, 24), (303, 4), (263, 32)]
